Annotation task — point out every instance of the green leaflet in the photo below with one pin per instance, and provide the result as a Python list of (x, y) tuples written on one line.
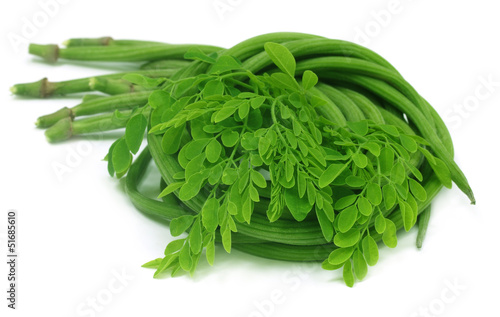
[(372, 147), (299, 207), (171, 140), (309, 79), (390, 195), (407, 215), (230, 138), (281, 57), (185, 259), (121, 157), (195, 237), (192, 187), (225, 64), (134, 132), (380, 224), (196, 53), (174, 246), (347, 239), (209, 214), (210, 253), (154, 264), (409, 143), (223, 114), (389, 235), (370, 250), (326, 225), (442, 171), (226, 240), (359, 127), (330, 174), (284, 81), (325, 265), (213, 151), (347, 218), (398, 174), (258, 179), (180, 225), (386, 159), (170, 189), (390, 129), (345, 202), (374, 194), (364, 206), (347, 274), (417, 190), (360, 267), (160, 98), (340, 255), (213, 88)]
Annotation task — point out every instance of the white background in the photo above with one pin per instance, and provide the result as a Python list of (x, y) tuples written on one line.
[(78, 231)]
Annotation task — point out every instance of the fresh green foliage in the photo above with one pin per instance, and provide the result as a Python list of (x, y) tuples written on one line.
[(253, 145), (237, 140)]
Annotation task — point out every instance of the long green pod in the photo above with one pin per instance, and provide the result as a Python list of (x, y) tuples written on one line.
[(136, 53), (350, 110), (44, 88), (100, 105), (105, 41)]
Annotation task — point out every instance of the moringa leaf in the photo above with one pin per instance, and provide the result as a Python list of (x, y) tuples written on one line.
[(408, 143), (389, 235), (358, 127), (224, 64), (370, 250), (195, 237), (209, 214), (347, 218), (374, 194), (180, 224), (170, 189), (386, 160), (347, 274), (309, 79), (134, 132), (171, 140), (364, 206), (380, 224), (213, 88), (330, 174), (299, 207), (121, 157), (360, 267), (325, 224), (340, 255), (213, 151), (389, 193), (347, 239), (230, 138), (281, 57), (417, 190), (196, 53)]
